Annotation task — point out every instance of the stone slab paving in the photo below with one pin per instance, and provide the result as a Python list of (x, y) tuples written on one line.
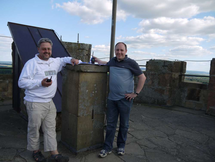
[(156, 134)]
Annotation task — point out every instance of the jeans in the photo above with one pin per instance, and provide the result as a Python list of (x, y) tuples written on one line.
[(114, 109)]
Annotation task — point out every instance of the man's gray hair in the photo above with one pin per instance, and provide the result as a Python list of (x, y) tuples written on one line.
[(44, 40)]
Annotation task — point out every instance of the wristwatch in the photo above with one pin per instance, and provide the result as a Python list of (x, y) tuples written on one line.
[(136, 93)]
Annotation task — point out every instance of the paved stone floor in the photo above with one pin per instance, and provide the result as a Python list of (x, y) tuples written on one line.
[(156, 134)]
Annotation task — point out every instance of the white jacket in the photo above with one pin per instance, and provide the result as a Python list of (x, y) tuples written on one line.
[(34, 71)]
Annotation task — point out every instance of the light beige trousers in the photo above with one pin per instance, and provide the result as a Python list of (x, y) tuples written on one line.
[(41, 114)]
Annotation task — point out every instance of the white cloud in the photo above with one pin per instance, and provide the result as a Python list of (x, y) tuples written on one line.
[(101, 51), (212, 48), (156, 40), (101, 48), (198, 66), (90, 11), (97, 11), (52, 3), (188, 51), (166, 8), (163, 25)]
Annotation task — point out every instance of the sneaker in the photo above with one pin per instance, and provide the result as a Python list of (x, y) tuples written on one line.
[(120, 151), (58, 158), (104, 153)]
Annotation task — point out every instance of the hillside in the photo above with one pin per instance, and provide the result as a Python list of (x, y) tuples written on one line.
[(197, 72)]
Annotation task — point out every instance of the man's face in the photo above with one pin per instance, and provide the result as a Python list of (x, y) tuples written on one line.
[(45, 51), (120, 51)]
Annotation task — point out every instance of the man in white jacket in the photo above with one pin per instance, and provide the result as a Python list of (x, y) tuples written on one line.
[(39, 79)]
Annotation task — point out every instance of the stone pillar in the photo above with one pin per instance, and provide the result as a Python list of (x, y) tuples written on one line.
[(79, 51), (162, 83), (83, 105), (211, 89)]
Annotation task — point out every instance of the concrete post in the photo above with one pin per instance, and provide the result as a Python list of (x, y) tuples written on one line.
[(83, 104), (211, 89)]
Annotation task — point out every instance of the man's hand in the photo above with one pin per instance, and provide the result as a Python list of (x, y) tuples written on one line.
[(130, 96), (45, 83), (74, 62), (99, 61)]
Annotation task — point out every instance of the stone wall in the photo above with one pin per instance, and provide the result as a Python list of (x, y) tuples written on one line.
[(192, 95), (6, 87), (165, 86), (162, 83), (211, 90)]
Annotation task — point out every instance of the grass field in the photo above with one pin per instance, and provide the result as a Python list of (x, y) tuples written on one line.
[(204, 80)]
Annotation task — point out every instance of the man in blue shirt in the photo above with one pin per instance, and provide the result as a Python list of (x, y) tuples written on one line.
[(121, 85)]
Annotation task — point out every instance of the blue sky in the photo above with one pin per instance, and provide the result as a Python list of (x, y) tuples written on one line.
[(167, 30)]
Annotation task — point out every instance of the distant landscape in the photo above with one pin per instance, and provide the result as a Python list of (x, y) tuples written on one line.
[(197, 72), (4, 65), (188, 72)]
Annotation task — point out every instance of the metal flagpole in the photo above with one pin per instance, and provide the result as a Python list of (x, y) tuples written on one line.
[(113, 28)]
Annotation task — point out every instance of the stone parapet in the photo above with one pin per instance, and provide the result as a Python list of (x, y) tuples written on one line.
[(211, 89), (162, 83), (6, 87)]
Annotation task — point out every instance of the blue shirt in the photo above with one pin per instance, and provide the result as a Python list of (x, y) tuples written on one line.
[(121, 79)]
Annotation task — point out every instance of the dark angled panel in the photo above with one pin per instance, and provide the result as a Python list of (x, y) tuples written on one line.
[(16, 72), (59, 82), (26, 38), (57, 100), (35, 34), (24, 43)]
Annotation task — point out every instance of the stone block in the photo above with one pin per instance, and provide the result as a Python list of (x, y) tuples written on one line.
[(160, 91), (3, 86), (199, 106), (83, 100), (179, 67), (164, 80), (212, 68), (189, 104), (193, 94), (86, 96), (70, 85), (79, 51), (10, 89), (82, 133), (211, 87), (176, 80), (211, 110), (69, 129), (152, 80), (158, 66)]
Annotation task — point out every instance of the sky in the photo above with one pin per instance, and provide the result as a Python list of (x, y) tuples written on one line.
[(152, 29)]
